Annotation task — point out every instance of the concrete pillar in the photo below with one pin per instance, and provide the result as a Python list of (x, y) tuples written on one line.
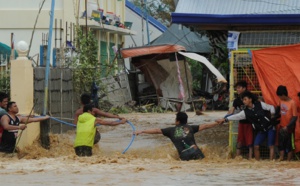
[(21, 85)]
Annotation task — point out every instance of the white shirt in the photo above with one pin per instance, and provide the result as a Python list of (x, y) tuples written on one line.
[(241, 115)]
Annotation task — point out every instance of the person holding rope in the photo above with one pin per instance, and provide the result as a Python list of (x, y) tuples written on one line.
[(182, 136), (11, 125), (261, 117), (245, 131), (86, 130), (86, 99)]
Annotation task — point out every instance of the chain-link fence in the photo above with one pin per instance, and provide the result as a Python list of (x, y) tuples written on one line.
[(241, 68)]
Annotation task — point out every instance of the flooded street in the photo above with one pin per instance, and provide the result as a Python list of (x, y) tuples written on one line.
[(151, 160)]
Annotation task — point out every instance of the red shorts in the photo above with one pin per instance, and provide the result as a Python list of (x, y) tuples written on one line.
[(245, 134)]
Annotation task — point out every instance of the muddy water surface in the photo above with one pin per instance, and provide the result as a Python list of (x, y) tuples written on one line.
[(151, 160)]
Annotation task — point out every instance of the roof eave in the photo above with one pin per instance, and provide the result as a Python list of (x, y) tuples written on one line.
[(236, 19)]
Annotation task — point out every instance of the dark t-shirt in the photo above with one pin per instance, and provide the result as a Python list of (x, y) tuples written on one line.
[(239, 106), (181, 134), (9, 136)]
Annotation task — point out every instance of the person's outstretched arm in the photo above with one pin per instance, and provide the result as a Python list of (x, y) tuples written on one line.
[(239, 116), (99, 112), (149, 131), (110, 123), (209, 125), (230, 111), (268, 107), (26, 120)]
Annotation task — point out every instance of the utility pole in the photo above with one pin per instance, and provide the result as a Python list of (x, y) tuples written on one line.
[(145, 15), (147, 22), (142, 5), (48, 57), (86, 28)]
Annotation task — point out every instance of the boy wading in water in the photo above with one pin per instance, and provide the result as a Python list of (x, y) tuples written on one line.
[(86, 130), (182, 136)]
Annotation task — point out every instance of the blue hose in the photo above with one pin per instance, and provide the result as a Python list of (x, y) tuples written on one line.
[(132, 137), (63, 122)]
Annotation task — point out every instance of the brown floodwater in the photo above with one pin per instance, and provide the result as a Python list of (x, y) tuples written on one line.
[(152, 159)]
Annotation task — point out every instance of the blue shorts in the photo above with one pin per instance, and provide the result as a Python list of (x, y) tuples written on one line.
[(261, 136)]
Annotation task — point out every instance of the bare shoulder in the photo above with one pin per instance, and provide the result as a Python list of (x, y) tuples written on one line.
[(79, 111), (4, 117)]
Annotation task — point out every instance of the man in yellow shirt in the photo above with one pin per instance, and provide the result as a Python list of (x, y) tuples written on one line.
[(86, 130)]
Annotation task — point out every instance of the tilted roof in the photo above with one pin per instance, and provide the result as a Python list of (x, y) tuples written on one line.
[(140, 13), (181, 35)]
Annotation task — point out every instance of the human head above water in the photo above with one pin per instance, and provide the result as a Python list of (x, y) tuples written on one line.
[(282, 91), (85, 99), (3, 100), (248, 98), (12, 107), (3, 96), (241, 83), (241, 86), (181, 117), (88, 108)]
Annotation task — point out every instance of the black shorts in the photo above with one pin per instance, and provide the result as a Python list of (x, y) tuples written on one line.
[(83, 151), (193, 153), (97, 137), (285, 141)]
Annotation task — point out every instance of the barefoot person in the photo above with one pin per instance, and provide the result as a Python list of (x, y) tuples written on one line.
[(11, 125), (288, 111), (86, 130), (182, 136), (259, 115), (245, 131)]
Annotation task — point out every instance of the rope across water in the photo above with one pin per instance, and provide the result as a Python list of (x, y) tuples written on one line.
[(73, 125)]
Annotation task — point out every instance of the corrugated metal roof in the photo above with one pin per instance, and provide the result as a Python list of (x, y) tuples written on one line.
[(238, 6), (192, 41)]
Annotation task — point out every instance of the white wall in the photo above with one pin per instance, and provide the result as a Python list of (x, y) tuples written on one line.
[(137, 26), (21, 16), (138, 38)]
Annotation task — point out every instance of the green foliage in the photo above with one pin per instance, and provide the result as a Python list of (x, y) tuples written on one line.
[(86, 67), (120, 110), (160, 10), (196, 71), (221, 63), (5, 81)]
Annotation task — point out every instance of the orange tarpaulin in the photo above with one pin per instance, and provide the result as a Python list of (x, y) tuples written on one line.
[(146, 50), (279, 66)]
